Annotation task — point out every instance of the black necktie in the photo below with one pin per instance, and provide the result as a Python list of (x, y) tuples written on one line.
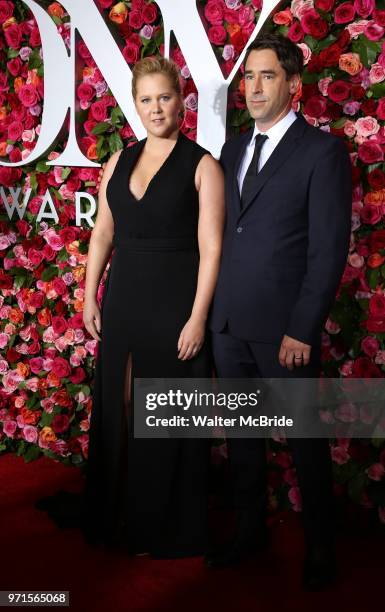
[(252, 170)]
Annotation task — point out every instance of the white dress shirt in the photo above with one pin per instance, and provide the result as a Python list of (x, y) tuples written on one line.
[(275, 133)]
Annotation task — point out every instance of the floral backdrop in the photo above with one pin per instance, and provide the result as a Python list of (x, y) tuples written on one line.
[(47, 357)]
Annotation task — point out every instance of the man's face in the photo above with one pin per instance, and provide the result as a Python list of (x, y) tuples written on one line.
[(268, 93)]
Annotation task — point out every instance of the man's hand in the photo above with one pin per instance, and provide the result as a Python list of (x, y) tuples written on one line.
[(293, 353)]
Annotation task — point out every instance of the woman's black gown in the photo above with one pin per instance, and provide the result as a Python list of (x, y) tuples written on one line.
[(150, 495)]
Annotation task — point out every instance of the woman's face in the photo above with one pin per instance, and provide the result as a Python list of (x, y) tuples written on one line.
[(158, 104)]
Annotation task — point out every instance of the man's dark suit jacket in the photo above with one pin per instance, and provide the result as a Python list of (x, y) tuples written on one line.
[(285, 251)]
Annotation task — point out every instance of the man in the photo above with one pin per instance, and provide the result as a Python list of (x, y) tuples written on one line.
[(288, 199)]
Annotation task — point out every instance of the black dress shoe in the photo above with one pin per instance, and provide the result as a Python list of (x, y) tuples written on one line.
[(238, 551), (319, 571)]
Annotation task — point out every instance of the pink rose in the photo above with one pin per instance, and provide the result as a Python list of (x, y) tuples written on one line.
[(245, 15), (214, 12), (217, 35), (374, 31), (370, 214), (367, 126), (61, 367), (340, 455), (323, 85), (14, 66), (357, 28), (346, 413), (58, 284), (349, 130), (370, 346), (9, 428), (364, 7), (376, 471), (30, 434), (36, 364), (377, 73), (28, 95), (306, 52), (370, 152), (295, 498), (35, 256)]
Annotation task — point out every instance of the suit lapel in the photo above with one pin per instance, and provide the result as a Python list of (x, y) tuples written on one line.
[(280, 154), (244, 141)]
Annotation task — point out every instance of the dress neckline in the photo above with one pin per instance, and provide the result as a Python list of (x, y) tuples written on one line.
[(136, 159)]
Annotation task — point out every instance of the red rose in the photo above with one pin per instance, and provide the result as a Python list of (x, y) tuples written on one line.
[(375, 326), (315, 64), (6, 10), (35, 256), (370, 214), (357, 92), (105, 4), (363, 367), (78, 375), (135, 19), (76, 321), (338, 91), (324, 5), (343, 40), (369, 107), (313, 24), (85, 92), (315, 106), (9, 176), (60, 423), (381, 109), (28, 95), (214, 10), (344, 13), (149, 13), (377, 306), (13, 35), (59, 325), (14, 66), (59, 286), (370, 152), (217, 35), (295, 32), (73, 184), (98, 111), (330, 56), (131, 53), (34, 39), (334, 111), (61, 367), (6, 281), (190, 119), (376, 179), (379, 17), (15, 130)]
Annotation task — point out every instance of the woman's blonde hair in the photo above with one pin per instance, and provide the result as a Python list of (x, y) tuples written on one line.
[(154, 65)]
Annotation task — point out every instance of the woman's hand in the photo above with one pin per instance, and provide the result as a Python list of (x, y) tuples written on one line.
[(92, 318), (191, 339)]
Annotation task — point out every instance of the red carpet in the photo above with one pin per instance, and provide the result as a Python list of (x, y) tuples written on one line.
[(36, 555)]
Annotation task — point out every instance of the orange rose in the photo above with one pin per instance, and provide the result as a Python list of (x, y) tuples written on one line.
[(119, 13), (42, 386), (375, 261), (23, 369), (283, 17), (15, 315), (30, 417), (3, 149), (79, 273), (375, 197), (33, 78), (56, 10), (44, 317), (62, 398), (78, 305), (47, 435), (233, 28), (3, 113), (350, 63), (53, 380), (18, 84), (91, 152), (9, 22)]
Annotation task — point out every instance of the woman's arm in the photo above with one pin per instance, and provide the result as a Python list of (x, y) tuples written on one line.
[(209, 182), (99, 251)]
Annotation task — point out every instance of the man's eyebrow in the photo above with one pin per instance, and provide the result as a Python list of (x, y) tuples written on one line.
[(261, 71)]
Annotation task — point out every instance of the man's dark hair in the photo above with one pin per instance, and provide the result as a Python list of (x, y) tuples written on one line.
[(290, 56)]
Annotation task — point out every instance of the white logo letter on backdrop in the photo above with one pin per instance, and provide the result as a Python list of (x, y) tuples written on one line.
[(182, 18)]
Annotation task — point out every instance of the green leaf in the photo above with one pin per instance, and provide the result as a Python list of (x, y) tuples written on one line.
[(115, 142), (65, 173), (33, 181), (116, 115), (373, 276), (101, 128), (41, 166), (20, 280), (49, 273), (357, 486), (32, 453), (378, 90), (45, 419)]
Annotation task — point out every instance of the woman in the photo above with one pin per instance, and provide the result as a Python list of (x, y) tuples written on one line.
[(161, 206)]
